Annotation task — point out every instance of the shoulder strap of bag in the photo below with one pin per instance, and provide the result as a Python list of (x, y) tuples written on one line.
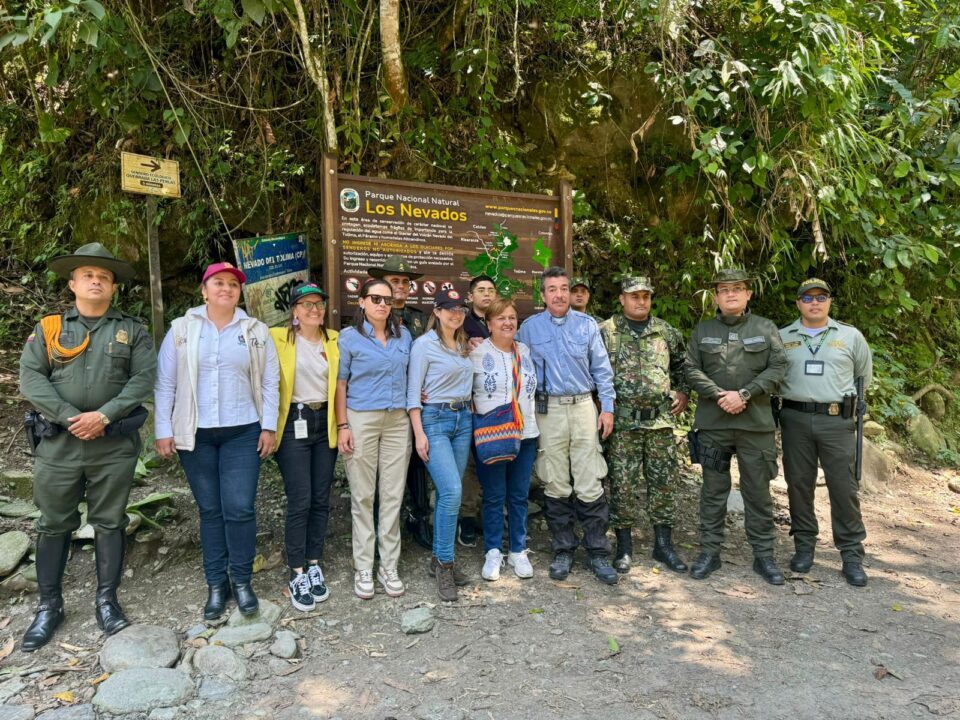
[(517, 382)]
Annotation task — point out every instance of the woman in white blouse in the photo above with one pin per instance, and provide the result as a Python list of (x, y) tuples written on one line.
[(506, 482), (217, 396)]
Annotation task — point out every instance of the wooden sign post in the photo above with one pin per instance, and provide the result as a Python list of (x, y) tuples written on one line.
[(149, 176)]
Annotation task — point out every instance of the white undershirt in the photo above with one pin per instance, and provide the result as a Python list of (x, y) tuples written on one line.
[(310, 375)]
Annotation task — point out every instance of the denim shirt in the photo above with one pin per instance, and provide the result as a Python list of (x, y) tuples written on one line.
[(376, 375), (568, 355), (444, 375)]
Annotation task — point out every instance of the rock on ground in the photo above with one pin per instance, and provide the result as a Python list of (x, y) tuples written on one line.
[(878, 468), (88, 533), (232, 636), (285, 646), (925, 435), (168, 713), (13, 546), (872, 429), (418, 620), (212, 688), (219, 660), (735, 502), (140, 646), (18, 508), (11, 687), (70, 712), (16, 712), (142, 689), (269, 613)]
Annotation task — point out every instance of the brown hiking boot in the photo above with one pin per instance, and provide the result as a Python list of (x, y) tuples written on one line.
[(460, 578), (446, 587)]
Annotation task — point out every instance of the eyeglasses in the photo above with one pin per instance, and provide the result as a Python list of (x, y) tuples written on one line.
[(310, 306), (380, 299), (731, 291), (807, 299)]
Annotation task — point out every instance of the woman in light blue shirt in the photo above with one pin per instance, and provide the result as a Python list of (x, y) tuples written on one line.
[(441, 372), (373, 433)]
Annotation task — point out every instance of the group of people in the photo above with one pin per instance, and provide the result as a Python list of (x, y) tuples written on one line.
[(592, 408)]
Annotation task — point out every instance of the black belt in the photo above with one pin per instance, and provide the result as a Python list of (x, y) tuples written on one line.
[(312, 406), (456, 405), (833, 408)]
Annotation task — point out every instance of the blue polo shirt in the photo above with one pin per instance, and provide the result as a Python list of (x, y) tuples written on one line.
[(376, 375)]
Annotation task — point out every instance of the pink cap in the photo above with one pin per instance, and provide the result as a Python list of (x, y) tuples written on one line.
[(223, 267)]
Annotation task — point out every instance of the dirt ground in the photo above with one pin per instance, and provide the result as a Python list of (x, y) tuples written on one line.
[(657, 645)]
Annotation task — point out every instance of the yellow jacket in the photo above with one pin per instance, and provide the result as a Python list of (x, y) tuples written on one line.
[(287, 354)]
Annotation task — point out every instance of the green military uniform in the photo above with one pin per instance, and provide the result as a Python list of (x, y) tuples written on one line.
[(113, 375), (646, 366), (822, 368), (412, 319), (740, 352), (104, 365)]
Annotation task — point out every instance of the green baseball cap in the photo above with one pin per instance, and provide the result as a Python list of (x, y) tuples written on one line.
[(813, 284), (636, 283)]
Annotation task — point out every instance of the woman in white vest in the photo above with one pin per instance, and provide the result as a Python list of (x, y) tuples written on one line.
[(217, 398)]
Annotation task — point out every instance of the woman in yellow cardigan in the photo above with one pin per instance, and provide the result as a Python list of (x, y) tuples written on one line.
[(307, 437)]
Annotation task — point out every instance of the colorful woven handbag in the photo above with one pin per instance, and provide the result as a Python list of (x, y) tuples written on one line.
[(497, 434)]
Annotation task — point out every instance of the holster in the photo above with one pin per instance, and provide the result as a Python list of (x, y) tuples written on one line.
[(128, 425), (37, 427), (849, 407), (693, 444), (775, 407), (716, 458)]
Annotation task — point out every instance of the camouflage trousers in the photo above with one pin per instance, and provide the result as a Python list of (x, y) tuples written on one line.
[(632, 457)]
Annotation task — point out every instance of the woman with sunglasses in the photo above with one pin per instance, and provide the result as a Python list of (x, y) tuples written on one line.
[(441, 372), (307, 437), (373, 432)]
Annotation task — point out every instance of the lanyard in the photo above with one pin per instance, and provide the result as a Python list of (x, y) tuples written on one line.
[(806, 341)]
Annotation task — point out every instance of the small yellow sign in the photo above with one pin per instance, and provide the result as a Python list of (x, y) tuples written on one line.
[(149, 176)]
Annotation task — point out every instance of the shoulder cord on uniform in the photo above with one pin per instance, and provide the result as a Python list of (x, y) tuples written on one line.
[(56, 352)]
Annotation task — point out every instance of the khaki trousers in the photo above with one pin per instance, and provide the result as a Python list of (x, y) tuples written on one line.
[(570, 446), (381, 440)]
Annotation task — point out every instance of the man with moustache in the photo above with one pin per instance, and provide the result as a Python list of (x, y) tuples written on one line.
[(571, 362), (818, 423), (647, 355), (735, 361)]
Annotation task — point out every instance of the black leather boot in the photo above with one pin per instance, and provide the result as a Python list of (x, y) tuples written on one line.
[(766, 568), (802, 561), (52, 551), (704, 565), (246, 598), (110, 547), (664, 551), (853, 573), (217, 596), (623, 558)]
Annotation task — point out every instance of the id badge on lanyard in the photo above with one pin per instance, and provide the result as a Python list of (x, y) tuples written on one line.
[(300, 425), (813, 367)]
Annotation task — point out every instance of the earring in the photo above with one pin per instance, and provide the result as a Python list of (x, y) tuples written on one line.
[(296, 322)]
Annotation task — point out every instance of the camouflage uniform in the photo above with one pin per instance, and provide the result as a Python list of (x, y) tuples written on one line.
[(646, 366)]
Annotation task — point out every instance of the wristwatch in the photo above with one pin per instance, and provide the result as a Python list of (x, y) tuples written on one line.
[(744, 395), (104, 420)]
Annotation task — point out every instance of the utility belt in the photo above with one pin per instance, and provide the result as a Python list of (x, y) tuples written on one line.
[(641, 414), (708, 457), (846, 408), (39, 428)]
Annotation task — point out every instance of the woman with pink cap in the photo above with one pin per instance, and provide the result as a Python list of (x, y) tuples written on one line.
[(217, 398)]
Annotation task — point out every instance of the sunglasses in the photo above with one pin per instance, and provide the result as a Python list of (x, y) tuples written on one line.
[(380, 299), (807, 299), (308, 305)]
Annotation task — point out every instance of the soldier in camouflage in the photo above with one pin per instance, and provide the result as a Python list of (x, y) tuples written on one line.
[(647, 356)]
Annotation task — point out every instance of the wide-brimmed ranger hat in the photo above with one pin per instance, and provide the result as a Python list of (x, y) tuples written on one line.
[(449, 299), (92, 254), (813, 284), (223, 267), (731, 275), (394, 265), (305, 289), (636, 283)]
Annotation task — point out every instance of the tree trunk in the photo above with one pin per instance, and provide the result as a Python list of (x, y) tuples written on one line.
[(395, 77), (315, 63), (450, 30)]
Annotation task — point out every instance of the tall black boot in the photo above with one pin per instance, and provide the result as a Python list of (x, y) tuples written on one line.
[(418, 520), (52, 552), (664, 551), (110, 546), (624, 556), (561, 519), (595, 519)]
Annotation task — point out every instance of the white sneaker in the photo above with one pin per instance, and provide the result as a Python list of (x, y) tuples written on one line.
[(520, 564), (492, 565), (363, 584), (391, 582)]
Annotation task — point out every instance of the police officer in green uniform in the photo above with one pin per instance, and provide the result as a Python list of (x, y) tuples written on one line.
[(647, 355), (818, 422), (400, 275), (85, 371), (734, 361)]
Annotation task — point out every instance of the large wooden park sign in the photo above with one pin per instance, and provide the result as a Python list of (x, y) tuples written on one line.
[(450, 234)]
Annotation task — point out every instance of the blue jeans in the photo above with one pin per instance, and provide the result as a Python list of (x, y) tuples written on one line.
[(223, 469), (307, 469), (507, 483), (450, 433)]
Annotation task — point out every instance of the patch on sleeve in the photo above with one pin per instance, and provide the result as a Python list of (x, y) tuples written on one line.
[(792, 344)]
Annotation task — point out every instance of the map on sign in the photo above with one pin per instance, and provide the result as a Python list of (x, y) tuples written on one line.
[(149, 176)]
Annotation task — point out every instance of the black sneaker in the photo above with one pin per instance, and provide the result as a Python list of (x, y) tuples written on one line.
[(318, 588), (300, 596), (467, 532)]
